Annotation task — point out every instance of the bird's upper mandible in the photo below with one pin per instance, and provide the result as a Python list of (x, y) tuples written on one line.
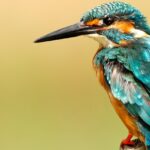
[(111, 24)]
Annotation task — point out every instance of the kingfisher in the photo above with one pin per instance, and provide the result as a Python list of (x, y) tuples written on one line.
[(122, 61)]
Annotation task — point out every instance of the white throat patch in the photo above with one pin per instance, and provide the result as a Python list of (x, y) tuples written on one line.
[(139, 33), (102, 40)]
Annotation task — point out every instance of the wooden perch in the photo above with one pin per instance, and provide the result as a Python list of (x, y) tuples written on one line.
[(138, 146)]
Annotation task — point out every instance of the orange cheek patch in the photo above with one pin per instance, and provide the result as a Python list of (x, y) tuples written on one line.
[(124, 26), (93, 22)]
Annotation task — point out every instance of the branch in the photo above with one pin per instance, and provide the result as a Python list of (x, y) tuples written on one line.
[(138, 146)]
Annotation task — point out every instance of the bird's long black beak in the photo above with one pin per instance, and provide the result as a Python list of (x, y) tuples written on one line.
[(68, 32)]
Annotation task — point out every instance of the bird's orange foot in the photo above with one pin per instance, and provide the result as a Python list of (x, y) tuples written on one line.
[(128, 141)]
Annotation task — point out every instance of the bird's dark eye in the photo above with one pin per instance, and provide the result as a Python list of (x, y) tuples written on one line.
[(108, 20)]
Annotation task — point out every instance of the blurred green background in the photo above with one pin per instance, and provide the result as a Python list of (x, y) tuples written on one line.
[(50, 97)]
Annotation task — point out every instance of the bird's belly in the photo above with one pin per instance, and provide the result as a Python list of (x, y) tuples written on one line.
[(128, 120)]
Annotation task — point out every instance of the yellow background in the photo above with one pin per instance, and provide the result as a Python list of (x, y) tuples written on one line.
[(50, 98)]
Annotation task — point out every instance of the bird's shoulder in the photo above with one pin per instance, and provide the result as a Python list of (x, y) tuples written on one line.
[(135, 58)]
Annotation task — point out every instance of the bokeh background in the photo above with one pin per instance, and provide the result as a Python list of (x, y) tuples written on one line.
[(50, 98)]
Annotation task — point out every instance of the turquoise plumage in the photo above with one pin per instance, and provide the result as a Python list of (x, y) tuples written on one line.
[(127, 68), (119, 10), (123, 61), (127, 71)]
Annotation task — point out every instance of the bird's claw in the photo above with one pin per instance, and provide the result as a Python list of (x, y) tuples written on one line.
[(127, 143)]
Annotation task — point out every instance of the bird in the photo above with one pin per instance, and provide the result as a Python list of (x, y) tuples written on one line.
[(122, 61)]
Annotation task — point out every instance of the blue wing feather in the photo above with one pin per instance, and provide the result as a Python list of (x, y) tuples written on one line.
[(131, 93), (125, 88), (127, 72), (138, 59)]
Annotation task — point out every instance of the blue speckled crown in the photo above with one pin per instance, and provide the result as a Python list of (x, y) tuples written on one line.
[(119, 9)]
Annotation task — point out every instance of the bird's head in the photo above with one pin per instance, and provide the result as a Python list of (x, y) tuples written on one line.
[(111, 24)]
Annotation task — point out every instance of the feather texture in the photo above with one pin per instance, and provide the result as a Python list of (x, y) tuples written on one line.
[(127, 72), (122, 10)]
